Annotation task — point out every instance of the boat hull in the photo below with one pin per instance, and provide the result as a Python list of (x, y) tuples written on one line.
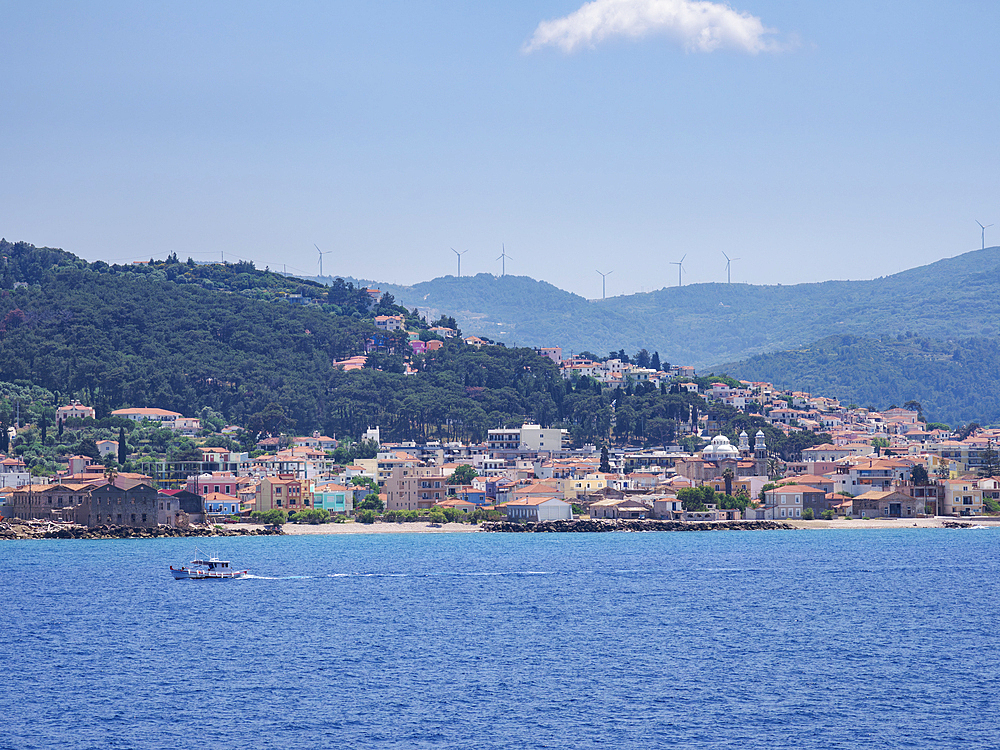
[(186, 574)]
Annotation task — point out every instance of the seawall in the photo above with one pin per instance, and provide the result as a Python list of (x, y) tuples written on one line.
[(603, 525), (13, 529)]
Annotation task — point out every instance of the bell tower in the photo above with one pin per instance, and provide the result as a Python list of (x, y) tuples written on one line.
[(760, 454)]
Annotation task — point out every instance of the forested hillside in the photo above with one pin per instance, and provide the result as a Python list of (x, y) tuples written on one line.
[(705, 324), (157, 335), (117, 337), (956, 381)]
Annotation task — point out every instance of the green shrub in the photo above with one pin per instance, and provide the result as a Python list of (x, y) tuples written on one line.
[(312, 515), (827, 515), (366, 516), (437, 516), (455, 515), (372, 502), (808, 515), (273, 517)]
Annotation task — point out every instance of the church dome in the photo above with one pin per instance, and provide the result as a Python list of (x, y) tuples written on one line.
[(720, 449)]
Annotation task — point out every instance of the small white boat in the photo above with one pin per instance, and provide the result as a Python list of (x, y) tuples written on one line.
[(211, 569)]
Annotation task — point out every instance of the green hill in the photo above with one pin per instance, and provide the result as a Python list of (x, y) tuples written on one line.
[(150, 336), (235, 339), (704, 324), (956, 381)]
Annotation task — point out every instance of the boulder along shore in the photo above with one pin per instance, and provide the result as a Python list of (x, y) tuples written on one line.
[(13, 529)]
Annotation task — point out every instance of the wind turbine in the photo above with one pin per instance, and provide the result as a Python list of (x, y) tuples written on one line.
[(503, 258), (984, 231), (459, 254), (729, 261), (680, 268), (321, 254), (604, 282)]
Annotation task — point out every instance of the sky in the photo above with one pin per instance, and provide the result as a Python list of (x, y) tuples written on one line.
[(813, 141)]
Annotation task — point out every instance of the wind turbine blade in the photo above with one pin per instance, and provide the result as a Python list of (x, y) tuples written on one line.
[(726, 256), (980, 224), (682, 259)]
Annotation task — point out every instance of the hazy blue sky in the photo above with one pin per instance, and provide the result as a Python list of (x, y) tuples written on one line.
[(813, 140)]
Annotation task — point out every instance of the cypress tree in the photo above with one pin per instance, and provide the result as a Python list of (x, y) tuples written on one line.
[(122, 448)]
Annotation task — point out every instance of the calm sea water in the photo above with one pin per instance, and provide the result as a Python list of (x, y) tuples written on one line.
[(838, 639)]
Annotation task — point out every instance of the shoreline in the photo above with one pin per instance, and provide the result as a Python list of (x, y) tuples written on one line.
[(935, 522), (37, 531), (410, 527)]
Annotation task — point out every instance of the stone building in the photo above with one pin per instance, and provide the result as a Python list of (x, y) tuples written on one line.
[(48, 501), (109, 505)]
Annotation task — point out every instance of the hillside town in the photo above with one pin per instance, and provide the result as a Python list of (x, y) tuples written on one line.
[(876, 465)]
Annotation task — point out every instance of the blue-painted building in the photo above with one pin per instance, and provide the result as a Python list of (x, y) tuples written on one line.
[(334, 498)]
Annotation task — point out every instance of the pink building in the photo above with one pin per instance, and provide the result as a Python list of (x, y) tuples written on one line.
[(552, 352)]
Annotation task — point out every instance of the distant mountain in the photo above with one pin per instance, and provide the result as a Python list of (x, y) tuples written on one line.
[(955, 381), (705, 324)]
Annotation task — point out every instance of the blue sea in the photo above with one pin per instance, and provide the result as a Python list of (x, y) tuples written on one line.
[(809, 639)]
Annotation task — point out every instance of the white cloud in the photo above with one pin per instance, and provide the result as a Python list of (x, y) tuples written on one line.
[(698, 25)]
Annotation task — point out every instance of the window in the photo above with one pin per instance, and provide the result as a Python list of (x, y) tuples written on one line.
[(144, 518)]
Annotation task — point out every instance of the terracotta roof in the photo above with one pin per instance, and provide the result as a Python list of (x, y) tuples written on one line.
[(792, 489)]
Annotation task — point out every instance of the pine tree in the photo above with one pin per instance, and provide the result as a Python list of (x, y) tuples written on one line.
[(990, 464)]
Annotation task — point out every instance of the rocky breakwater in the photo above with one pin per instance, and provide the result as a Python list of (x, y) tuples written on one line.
[(40, 530), (602, 525)]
